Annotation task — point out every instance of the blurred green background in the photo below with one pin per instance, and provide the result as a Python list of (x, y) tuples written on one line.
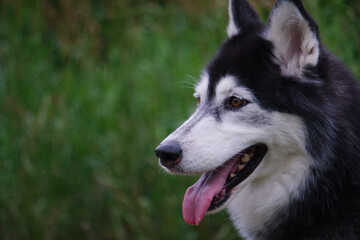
[(88, 88)]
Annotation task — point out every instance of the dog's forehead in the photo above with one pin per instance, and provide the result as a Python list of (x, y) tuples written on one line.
[(236, 65)]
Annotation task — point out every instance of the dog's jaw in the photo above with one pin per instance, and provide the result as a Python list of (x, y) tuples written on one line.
[(214, 188), (256, 201)]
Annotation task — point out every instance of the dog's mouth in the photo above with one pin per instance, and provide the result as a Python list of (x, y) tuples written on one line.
[(214, 188)]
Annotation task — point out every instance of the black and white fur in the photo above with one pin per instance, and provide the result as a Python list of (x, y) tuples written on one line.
[(303, 104)]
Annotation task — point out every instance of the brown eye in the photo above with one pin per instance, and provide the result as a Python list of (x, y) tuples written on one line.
[(237, 102), (198, 100)]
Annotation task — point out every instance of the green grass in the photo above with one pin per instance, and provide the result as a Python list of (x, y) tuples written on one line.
[(87, 91)]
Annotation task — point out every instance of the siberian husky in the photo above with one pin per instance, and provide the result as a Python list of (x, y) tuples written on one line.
[(276, 133)]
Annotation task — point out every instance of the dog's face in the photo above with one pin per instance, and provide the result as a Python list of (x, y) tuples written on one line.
[(248, 125)]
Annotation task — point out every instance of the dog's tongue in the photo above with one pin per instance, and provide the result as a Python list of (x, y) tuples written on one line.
[(198, 197)]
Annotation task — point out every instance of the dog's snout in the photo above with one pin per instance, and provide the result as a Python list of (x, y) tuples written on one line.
[(169, 154)]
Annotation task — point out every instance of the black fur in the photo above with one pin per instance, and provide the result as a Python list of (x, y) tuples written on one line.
[(328, 103), (245, 17)]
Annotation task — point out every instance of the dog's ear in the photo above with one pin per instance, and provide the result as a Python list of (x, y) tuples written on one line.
[(242, 18), (295, 37)]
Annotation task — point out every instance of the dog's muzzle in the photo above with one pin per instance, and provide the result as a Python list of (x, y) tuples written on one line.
[(169, 154)]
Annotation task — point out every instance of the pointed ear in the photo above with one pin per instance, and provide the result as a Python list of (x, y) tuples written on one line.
[(242, 18), (295, 37)]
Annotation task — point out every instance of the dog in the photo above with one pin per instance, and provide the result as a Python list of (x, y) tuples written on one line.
[(276, 132)]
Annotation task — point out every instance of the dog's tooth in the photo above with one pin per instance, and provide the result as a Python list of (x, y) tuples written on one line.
[(251, 151), (232, 175), (246, 158), (241, 167)]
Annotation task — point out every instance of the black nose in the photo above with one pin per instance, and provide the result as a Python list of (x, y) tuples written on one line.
[(169, 154)]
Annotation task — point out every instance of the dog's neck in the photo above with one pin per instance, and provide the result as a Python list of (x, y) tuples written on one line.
[(262, 196)]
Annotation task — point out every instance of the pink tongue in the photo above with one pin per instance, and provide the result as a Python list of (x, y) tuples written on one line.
[(198, 197)]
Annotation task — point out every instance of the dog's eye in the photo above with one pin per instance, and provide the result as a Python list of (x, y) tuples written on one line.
[(237, 102), (198, 100)]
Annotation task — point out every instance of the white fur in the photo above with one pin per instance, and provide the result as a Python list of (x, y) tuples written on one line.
[(277, 178), (201, 88), (224, 88), (228, 87), (232, 30), (295, 44)]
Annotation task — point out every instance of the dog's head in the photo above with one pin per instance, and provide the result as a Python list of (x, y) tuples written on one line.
[(253, 98)]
